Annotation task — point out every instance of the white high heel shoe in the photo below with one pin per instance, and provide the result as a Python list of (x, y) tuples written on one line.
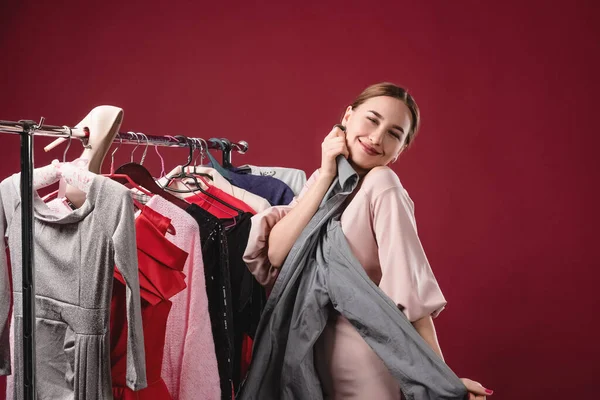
[(103, 123)]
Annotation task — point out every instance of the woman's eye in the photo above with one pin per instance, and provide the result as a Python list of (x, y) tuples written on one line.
[(394, 134), (373, 120)]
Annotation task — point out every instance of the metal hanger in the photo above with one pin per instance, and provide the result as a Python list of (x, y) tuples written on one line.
[(68, 143), (201, 152), (145, 149), (112, 156), (136, 146)]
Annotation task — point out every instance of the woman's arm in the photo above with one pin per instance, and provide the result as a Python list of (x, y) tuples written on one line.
[(285, 233), (426, 329)]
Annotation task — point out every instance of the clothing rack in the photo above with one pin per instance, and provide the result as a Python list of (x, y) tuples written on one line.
[(27, 130)]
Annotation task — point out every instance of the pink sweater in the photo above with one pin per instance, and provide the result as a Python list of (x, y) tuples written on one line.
[(189, 366), (380, 227)]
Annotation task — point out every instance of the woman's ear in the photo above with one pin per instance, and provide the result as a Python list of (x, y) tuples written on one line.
[(400, 152), (347, 115)]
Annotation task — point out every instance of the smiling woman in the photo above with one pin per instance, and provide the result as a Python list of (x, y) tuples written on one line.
[(379, 225), (380, 124)]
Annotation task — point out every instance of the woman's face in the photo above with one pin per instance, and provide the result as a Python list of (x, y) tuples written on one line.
[(376, 131)]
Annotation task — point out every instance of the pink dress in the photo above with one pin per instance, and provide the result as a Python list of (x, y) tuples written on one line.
[(189, 366), (380, 227)]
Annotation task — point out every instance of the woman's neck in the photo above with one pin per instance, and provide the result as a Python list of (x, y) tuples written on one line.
[(359, 170)]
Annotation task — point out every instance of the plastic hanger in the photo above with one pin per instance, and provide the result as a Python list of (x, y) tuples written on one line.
[(76, 176), (122, 178), (183, 174), (62, 184), (138, 176)]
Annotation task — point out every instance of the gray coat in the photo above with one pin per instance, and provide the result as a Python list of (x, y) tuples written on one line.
[(321, 272)]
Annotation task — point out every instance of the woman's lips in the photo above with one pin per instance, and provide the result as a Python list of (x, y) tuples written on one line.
[(368, 149)]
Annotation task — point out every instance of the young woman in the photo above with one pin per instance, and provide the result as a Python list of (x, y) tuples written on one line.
[(378, 222)]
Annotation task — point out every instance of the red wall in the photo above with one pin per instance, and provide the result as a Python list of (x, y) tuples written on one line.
[(503, 172)]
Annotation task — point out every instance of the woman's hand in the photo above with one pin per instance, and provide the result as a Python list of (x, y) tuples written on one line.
[(333, 145), (476, 390)]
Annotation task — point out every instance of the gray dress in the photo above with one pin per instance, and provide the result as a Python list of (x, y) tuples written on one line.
[(75, 257)]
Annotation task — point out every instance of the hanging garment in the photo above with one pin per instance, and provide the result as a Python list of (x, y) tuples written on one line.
[(218, 289), (294, 178), (74, 264), (247, 295), (189, 367), (215, 207), (160, 263), (257, 203), (275, 191), (5, 301), (321, 264)]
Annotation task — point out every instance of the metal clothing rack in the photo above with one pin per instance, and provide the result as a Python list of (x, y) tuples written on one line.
[(27, 130)]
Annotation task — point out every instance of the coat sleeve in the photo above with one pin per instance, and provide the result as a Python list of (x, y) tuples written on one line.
[(256, 253), (125, 249), (407, 277)]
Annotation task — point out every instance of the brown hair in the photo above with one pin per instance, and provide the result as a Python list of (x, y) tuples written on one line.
[(391, 90)]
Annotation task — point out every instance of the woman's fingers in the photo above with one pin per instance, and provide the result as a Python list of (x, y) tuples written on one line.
[(335, 131), (476, 388), (333, 145), (336, 146)]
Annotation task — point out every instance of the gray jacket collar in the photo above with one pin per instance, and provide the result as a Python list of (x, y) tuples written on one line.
[(345, 182)]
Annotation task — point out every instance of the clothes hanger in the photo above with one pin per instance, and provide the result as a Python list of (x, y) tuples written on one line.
[(141, 177), (201, 152), (124, 179), (62, 184), (145, 149), (163, 182), (162, 162), (76, 176), (182, 174)]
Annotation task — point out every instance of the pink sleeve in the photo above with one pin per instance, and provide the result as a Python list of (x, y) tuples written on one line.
[(256, 253), (407, 277)]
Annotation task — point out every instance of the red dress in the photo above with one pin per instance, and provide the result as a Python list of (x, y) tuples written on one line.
[(160, 263)]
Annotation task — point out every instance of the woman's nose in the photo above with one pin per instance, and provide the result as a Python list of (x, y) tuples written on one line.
[(376, 136)]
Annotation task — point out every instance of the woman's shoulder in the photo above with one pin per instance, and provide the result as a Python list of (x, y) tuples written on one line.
[(382, 185), (381, 179), (376, 182)]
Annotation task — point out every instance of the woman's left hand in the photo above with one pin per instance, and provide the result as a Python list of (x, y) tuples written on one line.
[(476, 389)]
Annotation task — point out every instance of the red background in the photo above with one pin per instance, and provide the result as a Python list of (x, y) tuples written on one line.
[(503, 172)]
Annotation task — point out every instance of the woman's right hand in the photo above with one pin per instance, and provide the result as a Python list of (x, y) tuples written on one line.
[(333, 145)]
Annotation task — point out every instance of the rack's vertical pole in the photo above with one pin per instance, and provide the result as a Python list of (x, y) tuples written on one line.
[(28, 265)]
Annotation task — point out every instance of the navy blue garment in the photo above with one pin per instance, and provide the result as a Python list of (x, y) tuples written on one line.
[(275, 191)]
